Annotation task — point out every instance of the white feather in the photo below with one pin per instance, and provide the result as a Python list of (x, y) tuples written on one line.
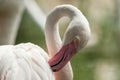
[(24, 62)]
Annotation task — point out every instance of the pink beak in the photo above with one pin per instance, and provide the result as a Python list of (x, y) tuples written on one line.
[(63, 56)]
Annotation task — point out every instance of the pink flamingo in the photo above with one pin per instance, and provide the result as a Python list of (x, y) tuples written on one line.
[(27, 61)]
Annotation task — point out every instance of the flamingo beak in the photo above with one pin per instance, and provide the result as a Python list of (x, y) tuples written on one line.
[(63, 56)]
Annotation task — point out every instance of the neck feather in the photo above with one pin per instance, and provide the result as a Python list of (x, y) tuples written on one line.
[(53, 39)]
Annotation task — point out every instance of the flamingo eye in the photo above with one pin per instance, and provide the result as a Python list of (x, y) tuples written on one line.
[(76, 41)]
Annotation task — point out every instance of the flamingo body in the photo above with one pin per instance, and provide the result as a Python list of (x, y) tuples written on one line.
[(24, 61)]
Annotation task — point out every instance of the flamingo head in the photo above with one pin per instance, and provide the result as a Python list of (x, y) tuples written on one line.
[(75, 38)]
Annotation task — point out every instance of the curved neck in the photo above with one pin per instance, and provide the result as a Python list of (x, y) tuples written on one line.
[(53, 39)]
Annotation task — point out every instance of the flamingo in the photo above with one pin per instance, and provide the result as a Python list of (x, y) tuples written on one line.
[(27, 61)]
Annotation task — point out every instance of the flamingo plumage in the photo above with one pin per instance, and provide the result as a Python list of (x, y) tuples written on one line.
[(27, 61)]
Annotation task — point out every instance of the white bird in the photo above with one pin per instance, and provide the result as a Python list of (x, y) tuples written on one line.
[(27, 61)]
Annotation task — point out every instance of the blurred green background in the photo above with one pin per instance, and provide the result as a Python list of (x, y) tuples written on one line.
[(103, 49)]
